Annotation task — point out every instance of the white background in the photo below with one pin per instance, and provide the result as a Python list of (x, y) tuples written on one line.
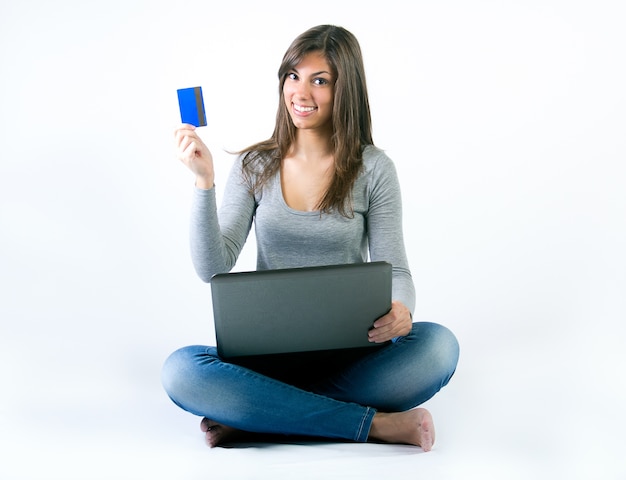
[(506, 120)]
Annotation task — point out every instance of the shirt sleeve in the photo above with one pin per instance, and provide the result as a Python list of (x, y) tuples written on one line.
[(217, 238), (385, 230)]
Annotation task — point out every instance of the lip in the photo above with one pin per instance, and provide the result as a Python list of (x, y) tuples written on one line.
[(302, 110)]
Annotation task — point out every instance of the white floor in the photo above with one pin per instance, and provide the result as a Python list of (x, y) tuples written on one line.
[(509, 413)]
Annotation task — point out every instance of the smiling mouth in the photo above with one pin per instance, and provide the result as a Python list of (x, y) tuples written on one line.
[(303, 109)]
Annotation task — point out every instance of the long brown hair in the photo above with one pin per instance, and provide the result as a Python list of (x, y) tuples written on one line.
[(351, 118)]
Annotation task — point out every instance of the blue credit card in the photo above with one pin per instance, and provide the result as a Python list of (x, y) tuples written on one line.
[(191, 106)]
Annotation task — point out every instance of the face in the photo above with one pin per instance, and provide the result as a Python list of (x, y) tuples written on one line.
[(308, 92)]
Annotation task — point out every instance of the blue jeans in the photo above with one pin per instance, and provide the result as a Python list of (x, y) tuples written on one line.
[(326, 394)]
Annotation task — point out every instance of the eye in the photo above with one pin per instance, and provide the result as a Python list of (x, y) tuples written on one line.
[(320, 81), (292, 76)]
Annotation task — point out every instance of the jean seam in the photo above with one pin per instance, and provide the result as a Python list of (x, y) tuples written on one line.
[(359, 435)]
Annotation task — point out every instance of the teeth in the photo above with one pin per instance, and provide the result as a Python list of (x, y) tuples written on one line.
[(302, 109)]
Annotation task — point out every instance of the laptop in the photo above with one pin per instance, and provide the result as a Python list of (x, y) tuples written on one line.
[(302, 309)]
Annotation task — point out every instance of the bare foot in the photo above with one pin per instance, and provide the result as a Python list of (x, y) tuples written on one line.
[(413, 427), (216, 433)]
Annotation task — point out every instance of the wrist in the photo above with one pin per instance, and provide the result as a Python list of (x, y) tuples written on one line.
[(205, 183)]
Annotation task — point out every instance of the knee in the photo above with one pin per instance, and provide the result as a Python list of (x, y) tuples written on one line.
[(444, 348), (172, 370), (177, 369)]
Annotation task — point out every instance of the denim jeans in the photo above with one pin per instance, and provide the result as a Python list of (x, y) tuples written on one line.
[(324, 395)]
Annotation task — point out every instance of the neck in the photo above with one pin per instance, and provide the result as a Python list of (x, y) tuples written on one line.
[(311, 145)]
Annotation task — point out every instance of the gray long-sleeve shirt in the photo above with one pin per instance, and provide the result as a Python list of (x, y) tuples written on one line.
[(291, 238)]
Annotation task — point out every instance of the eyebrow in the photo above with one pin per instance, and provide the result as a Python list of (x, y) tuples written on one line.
[(315, 73)]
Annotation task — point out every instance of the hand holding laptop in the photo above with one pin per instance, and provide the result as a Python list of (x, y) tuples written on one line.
[(394, 324)]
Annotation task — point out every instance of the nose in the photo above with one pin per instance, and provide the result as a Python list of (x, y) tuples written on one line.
[(303, 90)]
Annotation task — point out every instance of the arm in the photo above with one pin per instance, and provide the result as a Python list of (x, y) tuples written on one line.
[(386, 242), (215, 240)]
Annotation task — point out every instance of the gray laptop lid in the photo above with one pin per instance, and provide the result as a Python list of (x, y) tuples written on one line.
[(299, 309)]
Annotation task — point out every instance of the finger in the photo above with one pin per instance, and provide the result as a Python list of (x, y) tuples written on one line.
[(384, 320), (381, 338), (189, 153), (389, 330), (183, 137), (184, 127), (380, 334), (182, 133), (186, 141)]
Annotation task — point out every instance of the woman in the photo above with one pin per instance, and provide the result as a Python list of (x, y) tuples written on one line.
[(319, 192)]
